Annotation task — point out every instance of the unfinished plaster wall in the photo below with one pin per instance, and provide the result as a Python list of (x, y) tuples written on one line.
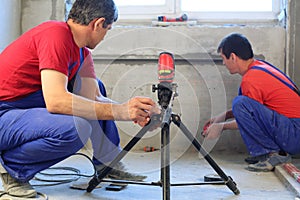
[(293, 27), (37, 11), (10, 17), (126, 61)]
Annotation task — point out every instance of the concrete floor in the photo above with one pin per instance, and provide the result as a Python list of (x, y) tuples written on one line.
[(190, 167)]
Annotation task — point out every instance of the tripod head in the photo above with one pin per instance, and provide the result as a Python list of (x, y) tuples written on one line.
[(165, 93)]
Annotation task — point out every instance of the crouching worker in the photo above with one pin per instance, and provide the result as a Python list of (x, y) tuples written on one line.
[(46, 116), (266, 111)]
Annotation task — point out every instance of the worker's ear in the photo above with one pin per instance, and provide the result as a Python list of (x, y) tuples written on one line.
[(233, 57), (98, 23)]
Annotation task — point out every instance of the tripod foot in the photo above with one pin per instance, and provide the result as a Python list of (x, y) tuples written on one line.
[(232, 186), (227, 179)]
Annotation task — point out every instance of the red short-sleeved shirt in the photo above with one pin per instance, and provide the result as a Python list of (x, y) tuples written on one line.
[(50, 45), (269, 91)]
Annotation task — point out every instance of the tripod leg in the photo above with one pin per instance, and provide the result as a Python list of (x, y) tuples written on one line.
[(165, 161), (227, 179), (96, 180)]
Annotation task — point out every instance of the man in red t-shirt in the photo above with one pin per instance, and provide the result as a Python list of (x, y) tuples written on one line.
[(267, 110), (51, 102)]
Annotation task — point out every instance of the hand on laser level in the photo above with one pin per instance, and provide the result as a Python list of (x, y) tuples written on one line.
[(140, 109)]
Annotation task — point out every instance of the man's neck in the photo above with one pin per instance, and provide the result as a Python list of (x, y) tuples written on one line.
[(78, 32), (246, 64)]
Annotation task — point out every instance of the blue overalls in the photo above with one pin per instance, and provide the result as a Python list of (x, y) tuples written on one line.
[(264, 130), (32, 139)]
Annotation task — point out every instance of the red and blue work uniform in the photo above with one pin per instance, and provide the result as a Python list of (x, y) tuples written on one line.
[(267, 110), (31, 138)]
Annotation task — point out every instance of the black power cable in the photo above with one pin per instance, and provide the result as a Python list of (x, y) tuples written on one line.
[(75, 173)]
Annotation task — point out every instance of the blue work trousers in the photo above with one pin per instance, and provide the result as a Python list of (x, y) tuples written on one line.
[(264, 130), (32, 139)]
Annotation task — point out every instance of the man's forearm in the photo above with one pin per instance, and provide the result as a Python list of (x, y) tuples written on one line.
[(76, 105), (230, 125)]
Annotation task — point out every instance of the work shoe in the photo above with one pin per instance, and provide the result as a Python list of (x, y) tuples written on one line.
[(14, 188), (256, 159), (118, 172), (270, 163)]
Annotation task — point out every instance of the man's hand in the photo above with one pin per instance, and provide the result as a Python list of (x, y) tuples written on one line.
[(214, 126), (140, 109), (213, 131)]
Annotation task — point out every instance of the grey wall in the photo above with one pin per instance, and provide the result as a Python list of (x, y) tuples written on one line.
[(37, 11), (10, 17), (126, 61), (293, 26)]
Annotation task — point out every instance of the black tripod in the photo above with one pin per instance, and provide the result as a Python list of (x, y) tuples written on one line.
[(166, 94)]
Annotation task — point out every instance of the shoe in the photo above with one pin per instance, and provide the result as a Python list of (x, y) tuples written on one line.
[(14, 188), (256, 159), (270, 163), (119, 173)]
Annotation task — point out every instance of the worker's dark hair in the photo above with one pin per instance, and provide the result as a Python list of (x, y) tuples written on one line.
[(238, 44), (85, 11)]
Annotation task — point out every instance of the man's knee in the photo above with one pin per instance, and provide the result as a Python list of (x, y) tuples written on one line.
[(77, 133), (239, 104), (243, 104)]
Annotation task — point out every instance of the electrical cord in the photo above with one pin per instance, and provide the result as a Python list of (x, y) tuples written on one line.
[(76, 173), (53, 182)]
